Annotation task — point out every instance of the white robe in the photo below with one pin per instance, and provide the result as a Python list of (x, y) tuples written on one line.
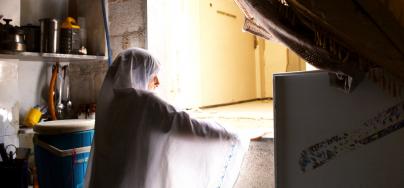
[(141, 141)]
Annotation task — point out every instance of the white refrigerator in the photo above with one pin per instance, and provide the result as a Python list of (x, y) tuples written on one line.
[(326, 138)]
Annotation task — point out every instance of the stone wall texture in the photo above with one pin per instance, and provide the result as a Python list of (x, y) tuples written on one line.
[(127, 25), (127, 21)]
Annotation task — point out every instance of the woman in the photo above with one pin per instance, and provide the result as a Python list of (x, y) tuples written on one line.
[(141, 141)]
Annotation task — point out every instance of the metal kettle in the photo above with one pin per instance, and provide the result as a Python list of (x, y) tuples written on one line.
[(12, 38), (18, 44)]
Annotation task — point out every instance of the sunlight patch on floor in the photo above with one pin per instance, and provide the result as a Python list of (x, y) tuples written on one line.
[(256, 116)]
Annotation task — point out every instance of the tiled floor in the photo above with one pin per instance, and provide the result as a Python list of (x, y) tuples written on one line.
[(257, 170), (254, 117)]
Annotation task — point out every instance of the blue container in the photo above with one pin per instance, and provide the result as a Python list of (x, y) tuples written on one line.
[(62, 150)]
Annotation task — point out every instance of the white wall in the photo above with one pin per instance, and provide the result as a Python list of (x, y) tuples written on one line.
[(310, 67), (294, 62), (227, 54), (173, 37), (10, 9), (260, 67), (275, 62), (206, 57), (273, 57), (9, 102)]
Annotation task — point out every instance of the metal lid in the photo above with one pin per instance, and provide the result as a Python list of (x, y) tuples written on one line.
[(64, 126), (49, 20)]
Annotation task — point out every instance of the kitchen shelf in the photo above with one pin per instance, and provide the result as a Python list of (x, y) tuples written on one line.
[(50, 57)]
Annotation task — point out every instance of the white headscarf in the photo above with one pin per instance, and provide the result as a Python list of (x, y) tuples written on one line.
[(141, 141), (132, 68)]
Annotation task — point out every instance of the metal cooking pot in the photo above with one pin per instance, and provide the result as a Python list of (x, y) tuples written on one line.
[(50, 32), (6, 32), (18, 43), (32, 37), (13, 38)]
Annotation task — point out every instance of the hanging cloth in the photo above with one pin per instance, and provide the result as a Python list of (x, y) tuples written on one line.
[(141, 141), (356, 38)]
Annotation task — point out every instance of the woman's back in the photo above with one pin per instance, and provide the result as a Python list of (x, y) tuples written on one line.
[(141, 141)]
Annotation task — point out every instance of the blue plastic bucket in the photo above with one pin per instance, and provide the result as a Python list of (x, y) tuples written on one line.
[(62, 150)]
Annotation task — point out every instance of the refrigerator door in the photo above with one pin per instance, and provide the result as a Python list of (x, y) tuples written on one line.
[(327, 138)]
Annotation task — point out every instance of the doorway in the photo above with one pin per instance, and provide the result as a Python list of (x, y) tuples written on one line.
[(210, 67), (214, 70)]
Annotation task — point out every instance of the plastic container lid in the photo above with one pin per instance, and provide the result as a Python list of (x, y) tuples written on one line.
[(70, 23), (64, 126)]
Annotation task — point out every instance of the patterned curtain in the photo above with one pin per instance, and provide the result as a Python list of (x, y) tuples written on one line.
[(353, 39)]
